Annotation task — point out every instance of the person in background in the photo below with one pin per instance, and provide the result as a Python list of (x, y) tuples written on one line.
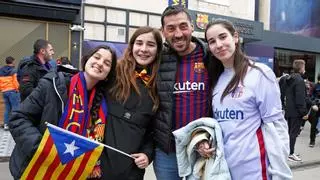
[(32, 68), (132, 104), (295, 107), (9, 87), (316, 95), (246, 103), (53, 101), (309, 96), (53, 64), (64, 65), (183, 87)]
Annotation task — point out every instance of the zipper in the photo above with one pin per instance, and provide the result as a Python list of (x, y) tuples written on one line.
[(55, 88)]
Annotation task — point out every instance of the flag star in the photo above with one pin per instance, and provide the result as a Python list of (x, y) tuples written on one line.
[(70, 148)]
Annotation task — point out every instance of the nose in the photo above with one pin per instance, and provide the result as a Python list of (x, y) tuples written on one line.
[(144, 47), (178, 33), (219, 43), (100, 62)]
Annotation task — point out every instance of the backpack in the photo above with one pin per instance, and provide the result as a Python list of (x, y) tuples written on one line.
[(22, 63)]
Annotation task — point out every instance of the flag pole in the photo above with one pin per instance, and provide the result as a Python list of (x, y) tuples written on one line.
[(85, 138)]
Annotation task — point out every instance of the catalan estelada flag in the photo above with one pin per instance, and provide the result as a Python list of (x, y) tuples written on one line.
[(62, 155)]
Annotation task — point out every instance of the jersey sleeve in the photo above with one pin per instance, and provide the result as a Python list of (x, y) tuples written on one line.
[(268, 97)]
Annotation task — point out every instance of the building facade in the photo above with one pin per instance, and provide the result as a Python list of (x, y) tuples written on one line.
[(292, 31), (24, 21), (114, 21)]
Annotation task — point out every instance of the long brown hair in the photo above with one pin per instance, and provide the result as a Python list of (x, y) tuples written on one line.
[(240, 64), (125, 70)]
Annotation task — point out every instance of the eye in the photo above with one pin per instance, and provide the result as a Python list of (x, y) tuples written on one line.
[(138, 43), (212, 41), (170, 28), (107, 62), (223, 37), (184, 26), (151, 44)]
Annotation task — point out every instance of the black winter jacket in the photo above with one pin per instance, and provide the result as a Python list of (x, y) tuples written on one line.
[(295, 93), (127, 127), (27, 125), (166, 78), (30, 71)]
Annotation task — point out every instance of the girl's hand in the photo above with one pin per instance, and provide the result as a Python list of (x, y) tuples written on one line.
[(141, 160)]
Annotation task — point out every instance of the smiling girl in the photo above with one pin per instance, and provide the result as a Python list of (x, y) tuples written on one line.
[(75, 103), (246, 103), (132, 103)]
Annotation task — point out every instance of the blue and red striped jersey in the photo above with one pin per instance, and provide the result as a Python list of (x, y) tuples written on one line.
[(191, 89)]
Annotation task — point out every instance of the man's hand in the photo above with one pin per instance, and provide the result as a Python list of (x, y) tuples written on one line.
[(141, 160), (203, 148)]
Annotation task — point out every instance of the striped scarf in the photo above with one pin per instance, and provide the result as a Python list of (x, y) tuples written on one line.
[(144, 76), (76, 116)]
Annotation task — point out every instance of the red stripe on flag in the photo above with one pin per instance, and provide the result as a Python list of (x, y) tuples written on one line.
[(262, 154), (83, 164), (66, 170), (41, 158), (52, 167)]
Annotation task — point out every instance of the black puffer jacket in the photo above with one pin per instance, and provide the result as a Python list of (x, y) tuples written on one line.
[(30, 71), (27, 125), (165, 82), (295, 93)]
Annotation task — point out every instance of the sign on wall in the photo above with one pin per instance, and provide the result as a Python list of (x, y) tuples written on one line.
[(183, 3)]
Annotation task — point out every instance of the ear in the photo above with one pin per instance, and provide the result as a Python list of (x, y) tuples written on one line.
[(236, 37), (42, 51), (192, 27)]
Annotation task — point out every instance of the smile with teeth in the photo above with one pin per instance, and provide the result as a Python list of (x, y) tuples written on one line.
[(144, 56), (97, 69), (180, 42)]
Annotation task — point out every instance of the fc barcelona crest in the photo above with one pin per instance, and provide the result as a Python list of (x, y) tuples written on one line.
[(198, 67), (202, 20)]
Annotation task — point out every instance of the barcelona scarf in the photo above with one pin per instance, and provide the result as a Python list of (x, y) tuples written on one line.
[(76, 117)]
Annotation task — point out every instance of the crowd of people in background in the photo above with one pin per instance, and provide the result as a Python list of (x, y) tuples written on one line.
[(134, 103)]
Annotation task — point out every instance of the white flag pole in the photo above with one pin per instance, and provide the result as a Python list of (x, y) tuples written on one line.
[(87, 139)]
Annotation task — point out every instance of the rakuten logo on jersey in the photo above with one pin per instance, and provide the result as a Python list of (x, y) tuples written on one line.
[(228, 114), (188, 87)]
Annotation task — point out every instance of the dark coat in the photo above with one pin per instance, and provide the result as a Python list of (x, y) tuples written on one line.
[(295, 96), (27, 125), (127, 127), (166, 79), (30, 71)]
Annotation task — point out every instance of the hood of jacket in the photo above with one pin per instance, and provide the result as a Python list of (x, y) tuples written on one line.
[(292, 77), (7, 71), (60, 81)]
